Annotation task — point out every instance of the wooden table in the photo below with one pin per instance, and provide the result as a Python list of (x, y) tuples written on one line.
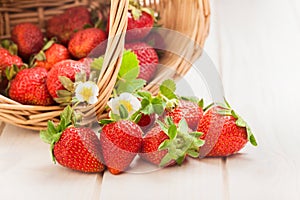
[(256, 47)]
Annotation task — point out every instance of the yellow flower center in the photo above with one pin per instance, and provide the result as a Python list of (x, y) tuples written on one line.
[(87, 93), (127, 105)]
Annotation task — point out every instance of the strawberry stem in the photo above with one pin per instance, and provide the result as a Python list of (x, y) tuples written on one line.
[(53, 133), (181, 142)]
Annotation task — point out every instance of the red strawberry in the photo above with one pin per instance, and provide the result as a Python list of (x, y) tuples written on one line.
[(156, 40), (67, 68), (72, 147), (84, 41), (8, 63), (65, 25), (225, 133), (140, 22), (167, 144), (29, 39), (8, 60), (29, 87), (146, 122), (138, 26), (79, 149), (120, 142), (53, 55), (87, 61), (188, 110), (150, 144), (147, 57)]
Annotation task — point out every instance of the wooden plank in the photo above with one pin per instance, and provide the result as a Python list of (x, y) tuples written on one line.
[(28, 172), (260, 61), (194, 180)]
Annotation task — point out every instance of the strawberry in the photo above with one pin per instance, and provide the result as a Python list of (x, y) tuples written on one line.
[(65, 68), (84, 41), (167, 144), (8, 60), (155, 39), (52, 55), (148, 59), (140, 22), (225, 132), (188, 110), (120, 142), (77, 148), (29, 39), (138, 26), (146, 122), (150, 145), (29, 87), (63, 26)]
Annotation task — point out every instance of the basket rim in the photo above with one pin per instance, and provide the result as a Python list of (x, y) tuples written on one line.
[(22, 114)]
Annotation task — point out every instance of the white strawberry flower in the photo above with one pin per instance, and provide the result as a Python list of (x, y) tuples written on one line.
[(130, 102), (87, 92)]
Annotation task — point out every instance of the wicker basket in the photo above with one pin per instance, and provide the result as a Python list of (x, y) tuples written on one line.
[(189, 17)]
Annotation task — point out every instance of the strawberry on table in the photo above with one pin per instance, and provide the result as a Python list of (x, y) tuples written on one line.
[(148, 59), (225, 132), (191, 111), (29, 87), (120, 142), (120, 137), (29, 39), (84, 41), (168, 144), (77, 148)]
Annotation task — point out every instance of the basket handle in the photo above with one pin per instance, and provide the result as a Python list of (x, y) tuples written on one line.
[(114, 51)]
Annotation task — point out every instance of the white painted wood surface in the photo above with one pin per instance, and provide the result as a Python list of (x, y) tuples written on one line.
[(255, 46), (27, 172), (259, 54)]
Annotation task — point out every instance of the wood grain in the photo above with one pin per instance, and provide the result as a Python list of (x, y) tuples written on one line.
[(27, 171), (193, 180), (260, 50)]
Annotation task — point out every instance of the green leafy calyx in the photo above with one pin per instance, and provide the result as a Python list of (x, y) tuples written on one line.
[(167, 94), (53, 132), (181, 141), (10, 46)]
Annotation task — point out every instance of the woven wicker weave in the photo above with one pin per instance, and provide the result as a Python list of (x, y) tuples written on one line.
[(189, 17)]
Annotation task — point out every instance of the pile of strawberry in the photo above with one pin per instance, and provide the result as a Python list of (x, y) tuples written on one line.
[(36, 68), (164, 130)]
